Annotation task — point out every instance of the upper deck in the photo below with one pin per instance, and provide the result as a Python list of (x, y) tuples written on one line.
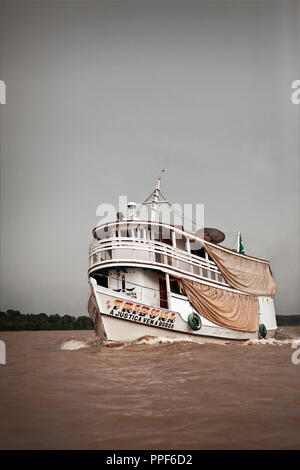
[(152, 244), (146, 243)]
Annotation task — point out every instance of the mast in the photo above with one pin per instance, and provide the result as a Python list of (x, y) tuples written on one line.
[(154, 202), (156, 198)]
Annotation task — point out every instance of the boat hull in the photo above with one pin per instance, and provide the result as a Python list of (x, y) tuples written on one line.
[(117, 317)]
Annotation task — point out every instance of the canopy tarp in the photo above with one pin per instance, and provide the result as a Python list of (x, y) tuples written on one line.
[(245, 274), (228, 309)]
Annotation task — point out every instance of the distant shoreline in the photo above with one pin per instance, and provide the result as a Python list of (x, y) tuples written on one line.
[(13, 320)]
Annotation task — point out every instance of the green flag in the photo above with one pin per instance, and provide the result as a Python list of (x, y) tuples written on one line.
[(241, 246)]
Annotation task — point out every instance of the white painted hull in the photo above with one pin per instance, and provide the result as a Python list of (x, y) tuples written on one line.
[(125, 331), (117, 317)]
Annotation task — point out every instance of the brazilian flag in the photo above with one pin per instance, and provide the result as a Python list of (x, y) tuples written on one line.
[(241, 246)]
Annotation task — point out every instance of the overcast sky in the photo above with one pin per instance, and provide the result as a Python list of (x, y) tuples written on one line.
[(100, 93)]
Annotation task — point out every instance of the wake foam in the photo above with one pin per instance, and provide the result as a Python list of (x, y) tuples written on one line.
[(273, 341), (163, 340), (151, 340), (71, 344)]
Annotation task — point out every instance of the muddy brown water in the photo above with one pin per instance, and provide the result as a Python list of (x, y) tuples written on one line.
[(60, 390)]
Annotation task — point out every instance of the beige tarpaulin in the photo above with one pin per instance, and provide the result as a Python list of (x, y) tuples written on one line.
[(224, 308), (245, 274)]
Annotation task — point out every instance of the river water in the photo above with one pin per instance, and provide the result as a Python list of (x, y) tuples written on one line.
[(61, 390)]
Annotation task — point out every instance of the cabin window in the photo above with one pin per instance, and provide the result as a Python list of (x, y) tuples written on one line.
[(101, 278), (174, 285), (199, 252)]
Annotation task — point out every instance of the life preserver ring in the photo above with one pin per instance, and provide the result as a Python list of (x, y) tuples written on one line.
[(262, 330), (194, 321)]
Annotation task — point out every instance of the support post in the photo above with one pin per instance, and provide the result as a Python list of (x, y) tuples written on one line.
[(168, 290), (173, 239)]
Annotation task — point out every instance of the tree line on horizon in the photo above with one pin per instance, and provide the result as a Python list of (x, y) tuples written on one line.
[(13, 320)]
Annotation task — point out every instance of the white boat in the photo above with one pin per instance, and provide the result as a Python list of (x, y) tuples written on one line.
[(151, 278)]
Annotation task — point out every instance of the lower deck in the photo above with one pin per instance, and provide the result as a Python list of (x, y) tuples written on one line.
[(157, 290)]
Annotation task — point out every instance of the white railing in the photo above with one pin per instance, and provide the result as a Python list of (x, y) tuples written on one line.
[(152, 252)]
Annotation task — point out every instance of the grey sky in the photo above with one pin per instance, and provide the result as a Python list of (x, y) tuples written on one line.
[(100, 93)]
